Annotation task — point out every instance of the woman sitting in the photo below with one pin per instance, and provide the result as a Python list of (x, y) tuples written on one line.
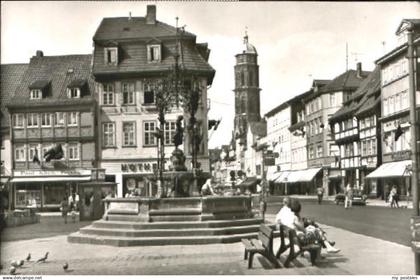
[(306, 235)]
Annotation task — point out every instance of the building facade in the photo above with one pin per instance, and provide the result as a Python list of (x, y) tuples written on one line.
[(346, 133), (53, 135), (395, 119), (132, 56), (11, 75), (325, 100)]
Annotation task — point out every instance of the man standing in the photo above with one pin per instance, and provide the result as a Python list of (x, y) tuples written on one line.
[(320, 193), (349, 196)]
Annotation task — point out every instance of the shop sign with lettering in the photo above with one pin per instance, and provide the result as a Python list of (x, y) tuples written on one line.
[(142, 167), (41, 173)]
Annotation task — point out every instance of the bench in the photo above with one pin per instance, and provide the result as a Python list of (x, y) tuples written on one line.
[(313, 249), (263, 245)]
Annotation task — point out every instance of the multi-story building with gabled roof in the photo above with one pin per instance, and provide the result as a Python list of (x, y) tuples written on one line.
[(130, 55), (53, 106)]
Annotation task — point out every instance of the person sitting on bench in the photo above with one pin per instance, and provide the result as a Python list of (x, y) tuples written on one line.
[(307, 235)]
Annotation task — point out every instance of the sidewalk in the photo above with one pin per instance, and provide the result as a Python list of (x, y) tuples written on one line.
[(359, 255)]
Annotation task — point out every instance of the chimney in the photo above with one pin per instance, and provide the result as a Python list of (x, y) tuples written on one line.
[(359, 69), (151, 14), (39, 54), (129, 16)]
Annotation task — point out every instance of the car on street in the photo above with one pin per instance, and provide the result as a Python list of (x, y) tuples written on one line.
[(358, 198)]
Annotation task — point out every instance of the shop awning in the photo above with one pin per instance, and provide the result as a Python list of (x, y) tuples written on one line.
[(391, 169), (282, 177), (50, 179), (306, 175), (4, 180), (272, 173)]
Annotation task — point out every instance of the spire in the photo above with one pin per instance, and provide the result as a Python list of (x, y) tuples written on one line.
[(246, 35)]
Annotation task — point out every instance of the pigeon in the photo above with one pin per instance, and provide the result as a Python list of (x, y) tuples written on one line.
[(65, 266), (44, 258), (28, 257), (12, 270), (14, 263), (21, 262)]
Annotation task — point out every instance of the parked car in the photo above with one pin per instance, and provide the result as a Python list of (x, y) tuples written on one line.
[(358, 198)]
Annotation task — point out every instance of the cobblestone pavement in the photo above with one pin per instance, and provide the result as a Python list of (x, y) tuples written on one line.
[(359, 255)]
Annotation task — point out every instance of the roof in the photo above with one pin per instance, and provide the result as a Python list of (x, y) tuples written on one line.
[(258, 128), (117, 28), (282, 106), (249, 48), (132, 57), (347, 80), (11, 74), (359, 97), (405, 22), (60, 72)]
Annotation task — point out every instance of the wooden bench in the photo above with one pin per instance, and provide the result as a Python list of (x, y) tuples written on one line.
[(263, 245), (313, 249)]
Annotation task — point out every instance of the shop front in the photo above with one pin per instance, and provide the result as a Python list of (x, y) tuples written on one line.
[(392, 174), (135, 177), (44, 189)]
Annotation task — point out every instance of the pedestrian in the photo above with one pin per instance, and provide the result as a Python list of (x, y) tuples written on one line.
[(348, 202), (393, 197), (64, 208), (320, 193), (207, 189)]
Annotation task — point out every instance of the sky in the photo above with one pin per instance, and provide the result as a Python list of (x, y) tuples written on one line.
[(296, 41)]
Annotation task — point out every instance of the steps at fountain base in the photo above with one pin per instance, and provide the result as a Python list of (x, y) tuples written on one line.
[(178, 225), (129, 233), (168, 232), (157, 241)]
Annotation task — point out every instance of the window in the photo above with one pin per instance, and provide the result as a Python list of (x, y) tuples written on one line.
[(32, 120), (59, 119), (129, 133), (319, 151), (18, 120), (73, 92), (108, 94), (386, 109), (311, 153), (251, 78), (149, 129), (153, 53), (128, 93), (111, 55), (46, 119), (36, 94), (169, 132), (332, 99), (108, 135), (20, 153), (73, 151), (33, 150), (149, 95), (72, 119)]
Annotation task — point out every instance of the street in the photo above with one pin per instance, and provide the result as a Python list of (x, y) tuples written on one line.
[(385, 223)]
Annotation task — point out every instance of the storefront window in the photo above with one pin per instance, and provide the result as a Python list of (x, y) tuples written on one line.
[(28, 195), (54, 193)]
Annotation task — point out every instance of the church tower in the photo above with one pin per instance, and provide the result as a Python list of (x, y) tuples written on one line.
[(247, 91)]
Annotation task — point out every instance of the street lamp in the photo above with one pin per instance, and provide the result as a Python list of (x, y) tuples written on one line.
[(410, 29)]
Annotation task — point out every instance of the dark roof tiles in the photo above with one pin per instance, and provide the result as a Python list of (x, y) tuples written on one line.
[(11, 75), (60, 72)]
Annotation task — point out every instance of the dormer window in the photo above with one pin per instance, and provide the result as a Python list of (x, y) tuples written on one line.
[(111, 56), (36, 94), (38, 89), (73, 92), (153, 53), (74, 89)]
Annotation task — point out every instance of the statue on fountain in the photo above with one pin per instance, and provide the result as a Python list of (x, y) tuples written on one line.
[(178, 157)]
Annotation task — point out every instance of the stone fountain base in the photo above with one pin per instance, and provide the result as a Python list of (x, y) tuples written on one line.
[(189, 220)]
